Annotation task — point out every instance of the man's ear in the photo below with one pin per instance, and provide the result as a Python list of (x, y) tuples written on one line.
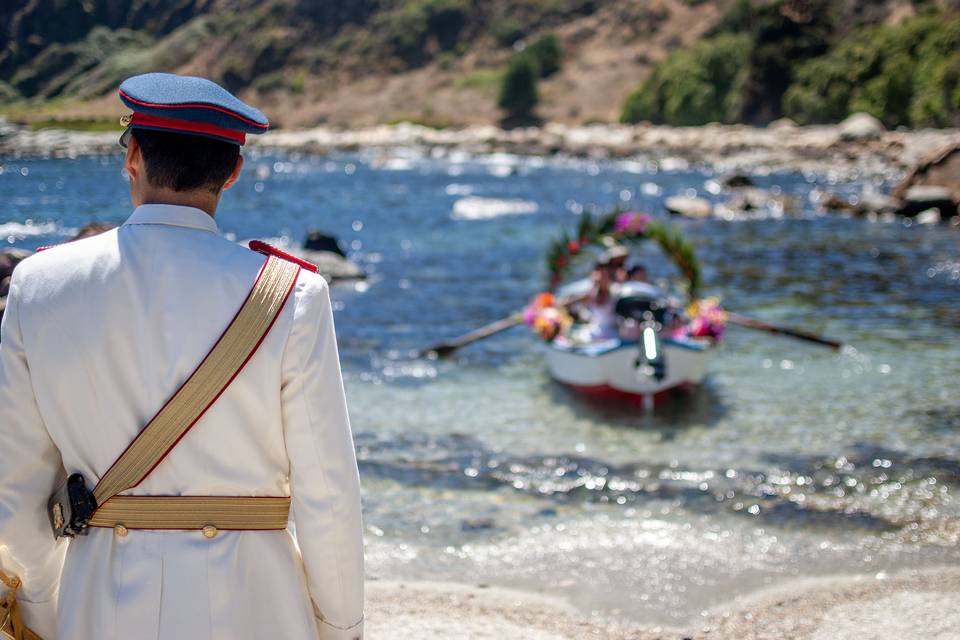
[(133, 163), (235, 175)]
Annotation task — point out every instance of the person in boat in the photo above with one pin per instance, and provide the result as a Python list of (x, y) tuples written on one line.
[(599, 307), (637, 273), (616, 259)]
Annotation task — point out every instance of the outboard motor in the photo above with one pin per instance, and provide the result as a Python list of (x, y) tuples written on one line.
[(642, 310)]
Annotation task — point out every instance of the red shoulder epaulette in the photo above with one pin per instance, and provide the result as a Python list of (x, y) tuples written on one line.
[(48, 246), (267, 250)]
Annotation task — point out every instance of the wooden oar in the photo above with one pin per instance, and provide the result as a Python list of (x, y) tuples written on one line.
[(442, 349), (751, 323)]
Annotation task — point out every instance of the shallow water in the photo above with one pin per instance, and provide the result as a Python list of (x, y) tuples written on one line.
[(790, 460)]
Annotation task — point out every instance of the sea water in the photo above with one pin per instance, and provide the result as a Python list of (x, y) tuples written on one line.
[(790, 460)]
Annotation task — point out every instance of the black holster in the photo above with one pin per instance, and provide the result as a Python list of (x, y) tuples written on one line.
[(70, 508)]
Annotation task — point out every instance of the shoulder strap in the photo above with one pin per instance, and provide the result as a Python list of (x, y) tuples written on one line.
[(208, 381)]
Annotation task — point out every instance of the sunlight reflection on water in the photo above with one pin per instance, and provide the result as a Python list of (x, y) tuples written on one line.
[(790, 459)]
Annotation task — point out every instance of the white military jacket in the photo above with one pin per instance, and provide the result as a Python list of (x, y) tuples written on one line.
[(97, 335)]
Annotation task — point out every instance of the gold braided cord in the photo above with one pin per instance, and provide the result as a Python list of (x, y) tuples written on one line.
[(194, 512), (11, 623), (215, 372)]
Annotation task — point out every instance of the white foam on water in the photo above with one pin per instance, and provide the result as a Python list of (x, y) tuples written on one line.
[(457, 189), (21, 230), (393, 164), (477, 208)]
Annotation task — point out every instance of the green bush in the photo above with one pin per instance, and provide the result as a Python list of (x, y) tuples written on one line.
[(783, 35), (7, 93), (411, 26), (693, 86), (545, 52), (907, 74), (445, 20), (518, 92), (507, 31)]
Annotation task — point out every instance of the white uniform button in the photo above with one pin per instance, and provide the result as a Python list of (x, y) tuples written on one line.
[(209, 531), (120, 530)]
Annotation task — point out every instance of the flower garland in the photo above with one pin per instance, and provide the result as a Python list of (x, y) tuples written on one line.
[(707, 319), (620, 227), (544, 316)]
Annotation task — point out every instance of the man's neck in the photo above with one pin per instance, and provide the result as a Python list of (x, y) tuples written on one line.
[(204, 201)]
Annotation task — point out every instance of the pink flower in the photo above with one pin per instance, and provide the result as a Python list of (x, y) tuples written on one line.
[(632, 222)]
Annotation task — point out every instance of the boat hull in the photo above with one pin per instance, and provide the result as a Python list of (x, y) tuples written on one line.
[(610, 369)]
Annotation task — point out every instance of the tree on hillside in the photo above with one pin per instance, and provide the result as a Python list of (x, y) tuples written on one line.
[(546, 53), (905, 75), (693, 86), (785, 34), (518, 92)]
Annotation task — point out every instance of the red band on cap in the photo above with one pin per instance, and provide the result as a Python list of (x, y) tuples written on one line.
[(194, 105), (187, 126)]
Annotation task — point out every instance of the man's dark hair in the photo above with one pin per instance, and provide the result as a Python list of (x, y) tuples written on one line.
[(185, 162)]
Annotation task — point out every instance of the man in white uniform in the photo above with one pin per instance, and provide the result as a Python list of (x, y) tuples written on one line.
[(97, 336)]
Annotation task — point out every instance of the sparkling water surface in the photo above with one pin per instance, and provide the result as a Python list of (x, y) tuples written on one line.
[(791, 459)]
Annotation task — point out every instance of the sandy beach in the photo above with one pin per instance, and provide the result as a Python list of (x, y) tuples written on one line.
[(912, 604)]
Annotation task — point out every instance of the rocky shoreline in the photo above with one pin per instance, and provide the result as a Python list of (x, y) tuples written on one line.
[(926, 162), (860, 144)]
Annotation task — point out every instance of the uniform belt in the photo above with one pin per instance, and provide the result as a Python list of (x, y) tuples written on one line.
[(232, 513)]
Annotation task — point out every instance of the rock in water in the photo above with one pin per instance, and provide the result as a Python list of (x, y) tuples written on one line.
[(861, 126), (331, 266), (920, 198), (320, 241), (92, 229), (930, 216), (689, 207), (737, 181), (935, 182), (324, 250), (9, 258), (331, 263)]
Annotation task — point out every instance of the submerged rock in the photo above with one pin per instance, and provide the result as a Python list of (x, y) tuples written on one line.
[(755, 202), (331, 266), (868, 202), (688, 207)]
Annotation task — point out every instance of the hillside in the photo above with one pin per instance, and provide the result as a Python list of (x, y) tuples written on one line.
[(359, 62)]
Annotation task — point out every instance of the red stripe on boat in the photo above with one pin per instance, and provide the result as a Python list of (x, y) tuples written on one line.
[(606, 392)]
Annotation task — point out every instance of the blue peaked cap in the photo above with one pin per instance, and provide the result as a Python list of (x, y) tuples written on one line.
[(190, 105)]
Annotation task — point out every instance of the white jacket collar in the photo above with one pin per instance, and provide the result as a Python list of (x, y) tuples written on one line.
[(174, 215)]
